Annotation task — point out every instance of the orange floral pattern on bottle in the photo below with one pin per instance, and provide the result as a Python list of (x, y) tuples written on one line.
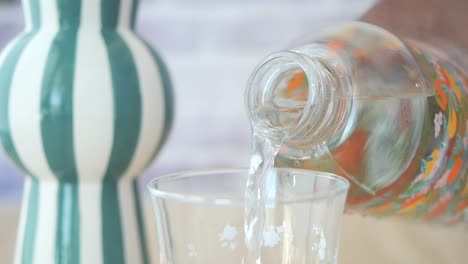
[(439, 192)]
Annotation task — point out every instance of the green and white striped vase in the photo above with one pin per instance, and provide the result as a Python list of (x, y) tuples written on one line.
[(85, 105)]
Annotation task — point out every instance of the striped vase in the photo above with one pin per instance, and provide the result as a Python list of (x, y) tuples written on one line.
[(85, 105)]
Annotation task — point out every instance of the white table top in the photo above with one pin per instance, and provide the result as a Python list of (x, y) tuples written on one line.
[(364, 241)]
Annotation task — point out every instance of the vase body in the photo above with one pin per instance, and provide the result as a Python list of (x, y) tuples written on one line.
[(85, 106)]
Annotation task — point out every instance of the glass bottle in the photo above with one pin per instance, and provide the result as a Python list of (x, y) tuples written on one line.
[(388, 114)]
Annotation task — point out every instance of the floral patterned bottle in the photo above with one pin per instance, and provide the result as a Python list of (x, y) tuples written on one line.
[(388, 114)]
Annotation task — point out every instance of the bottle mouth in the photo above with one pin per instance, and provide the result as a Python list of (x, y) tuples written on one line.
[(278, 96), (295, 99)]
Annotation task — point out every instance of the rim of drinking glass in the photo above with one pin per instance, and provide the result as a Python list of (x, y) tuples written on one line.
[(342, 187)]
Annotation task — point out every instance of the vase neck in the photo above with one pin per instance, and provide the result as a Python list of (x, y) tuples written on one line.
[(71, 14)]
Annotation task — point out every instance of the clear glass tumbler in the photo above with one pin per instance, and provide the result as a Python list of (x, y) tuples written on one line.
[(200, 217)]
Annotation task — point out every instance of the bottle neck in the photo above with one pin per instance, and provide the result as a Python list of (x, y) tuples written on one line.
[(71, 14), (298, 100)]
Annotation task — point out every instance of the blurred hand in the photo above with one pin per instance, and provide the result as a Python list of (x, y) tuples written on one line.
[(426, 20)]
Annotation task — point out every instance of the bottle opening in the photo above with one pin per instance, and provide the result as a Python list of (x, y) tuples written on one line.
[(279, 94), (296, 98)]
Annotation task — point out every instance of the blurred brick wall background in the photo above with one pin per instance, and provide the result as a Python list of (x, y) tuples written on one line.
[(211, 47)]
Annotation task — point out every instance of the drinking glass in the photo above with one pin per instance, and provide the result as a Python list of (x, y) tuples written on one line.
[(200, 217)]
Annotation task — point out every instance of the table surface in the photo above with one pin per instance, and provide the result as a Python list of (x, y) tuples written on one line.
[(364, 240)]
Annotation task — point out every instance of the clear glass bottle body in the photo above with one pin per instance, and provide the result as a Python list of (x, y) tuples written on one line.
[(388, 114)]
